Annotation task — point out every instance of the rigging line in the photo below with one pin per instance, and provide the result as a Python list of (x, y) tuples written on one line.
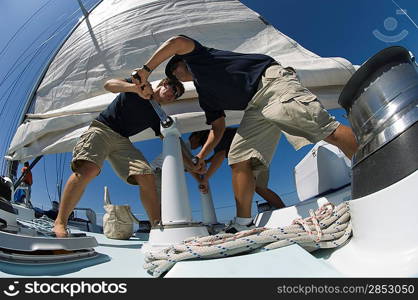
[(60, 174), (20, 105), (63, 167), (22, 26), (56, 166), (95, 4), (16, 81), (227, 206), (21, 59), (18, 109), (288, 193), (56, 175), (9, 135), (12, 125), (410, 19), (46, 183), (59, 28), (18, 77)]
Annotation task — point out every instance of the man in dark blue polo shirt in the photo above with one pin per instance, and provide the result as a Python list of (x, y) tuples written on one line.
[(271, 96), (108, 138), (221, 151)]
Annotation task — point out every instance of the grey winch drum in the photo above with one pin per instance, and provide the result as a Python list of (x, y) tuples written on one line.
[(381, 101)]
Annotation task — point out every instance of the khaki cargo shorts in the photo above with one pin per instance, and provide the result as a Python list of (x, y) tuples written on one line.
[(280, 104), (99, 142)]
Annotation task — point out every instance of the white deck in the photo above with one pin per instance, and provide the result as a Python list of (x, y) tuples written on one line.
[(290, 261), (124, 258), (119, 259)]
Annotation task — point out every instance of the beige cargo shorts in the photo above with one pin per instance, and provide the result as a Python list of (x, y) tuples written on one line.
[(280, 104), (99, 142)]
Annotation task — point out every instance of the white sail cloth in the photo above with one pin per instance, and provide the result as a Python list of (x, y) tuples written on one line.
[(121, 35)]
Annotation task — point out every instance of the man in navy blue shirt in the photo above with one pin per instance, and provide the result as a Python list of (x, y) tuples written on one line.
[(221, 151), (108, 138), (271, 96)]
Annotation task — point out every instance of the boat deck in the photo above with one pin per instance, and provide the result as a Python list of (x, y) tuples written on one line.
[(117, 258), (124, 258)]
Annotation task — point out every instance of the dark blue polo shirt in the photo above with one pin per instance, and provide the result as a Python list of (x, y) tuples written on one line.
[(226, 141), (130, 114), (224, 80)]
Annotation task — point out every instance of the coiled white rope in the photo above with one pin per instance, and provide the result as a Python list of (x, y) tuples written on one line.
[(327, 227)]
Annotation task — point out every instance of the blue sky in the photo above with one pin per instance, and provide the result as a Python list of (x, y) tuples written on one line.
[(354, 30)]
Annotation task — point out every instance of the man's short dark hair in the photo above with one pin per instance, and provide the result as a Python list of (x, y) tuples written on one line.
[(202, 136), (179, 85)]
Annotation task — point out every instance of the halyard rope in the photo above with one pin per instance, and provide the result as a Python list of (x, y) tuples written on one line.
[(327, 227)]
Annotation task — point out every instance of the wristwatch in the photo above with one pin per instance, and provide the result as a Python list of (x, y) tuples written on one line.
[(135, 75), (145, 67)]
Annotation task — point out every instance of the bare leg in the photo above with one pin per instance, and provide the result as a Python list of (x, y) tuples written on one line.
[(343, 137), (270, 196), (244, 186), (149, 197), (73, 190)]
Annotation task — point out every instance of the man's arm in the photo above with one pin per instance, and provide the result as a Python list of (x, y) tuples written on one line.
[(119, 85), (176, 45), (216, 162), (196, 176), (189, 166), (215, 135)]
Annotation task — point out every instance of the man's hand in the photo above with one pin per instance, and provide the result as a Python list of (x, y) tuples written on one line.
[(191, 167), (143, 75), (200, 167), (204, 187), (140, 79), (144, 91), (203, 184), (202, 181)]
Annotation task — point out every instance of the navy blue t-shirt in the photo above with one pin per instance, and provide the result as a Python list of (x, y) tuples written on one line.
[(130, 114), (226, 141), (224, 80)]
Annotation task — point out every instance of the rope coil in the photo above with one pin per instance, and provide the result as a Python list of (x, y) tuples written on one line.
[(327, 227)]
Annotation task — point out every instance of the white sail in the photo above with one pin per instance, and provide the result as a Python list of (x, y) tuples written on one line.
[(121, 35)]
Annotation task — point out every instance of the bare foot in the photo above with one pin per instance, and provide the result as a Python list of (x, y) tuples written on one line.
[(60, 230)]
